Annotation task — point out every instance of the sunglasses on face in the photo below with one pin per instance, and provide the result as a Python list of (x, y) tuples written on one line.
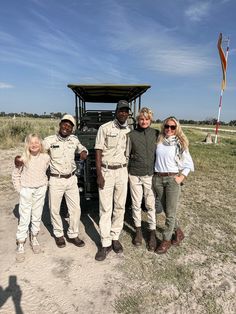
[(172, 127)]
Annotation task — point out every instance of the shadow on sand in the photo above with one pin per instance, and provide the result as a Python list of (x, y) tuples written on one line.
[(13, 290), (89, 218)]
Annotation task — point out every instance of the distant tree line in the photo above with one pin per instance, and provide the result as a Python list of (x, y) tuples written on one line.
[(51, 115), (209, 121), (58, 115)]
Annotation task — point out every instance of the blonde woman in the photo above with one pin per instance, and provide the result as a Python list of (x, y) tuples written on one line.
[(141, 151), (30, 181), (173, 164)]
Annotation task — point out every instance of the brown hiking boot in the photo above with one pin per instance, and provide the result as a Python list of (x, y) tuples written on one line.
[(76, 241), (102, 253), (152, 242), (164, 247), (60, 242), (177, 237), (117, 247), (137, 241)]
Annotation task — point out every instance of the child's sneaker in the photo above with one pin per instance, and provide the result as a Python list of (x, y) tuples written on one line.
[(35, 245), (20, 252)]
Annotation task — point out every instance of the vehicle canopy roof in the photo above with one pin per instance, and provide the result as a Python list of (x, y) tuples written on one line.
[(108, 93)]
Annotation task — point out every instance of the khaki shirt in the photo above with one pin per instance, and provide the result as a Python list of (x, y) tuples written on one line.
[(111, 139), (62, 153)]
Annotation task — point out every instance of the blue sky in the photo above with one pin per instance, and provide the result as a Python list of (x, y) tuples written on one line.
[(171, 45)]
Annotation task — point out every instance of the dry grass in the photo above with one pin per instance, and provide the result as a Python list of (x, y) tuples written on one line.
[(14, 131)]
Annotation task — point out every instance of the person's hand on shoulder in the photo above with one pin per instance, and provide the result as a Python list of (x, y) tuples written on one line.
[(18, 162)]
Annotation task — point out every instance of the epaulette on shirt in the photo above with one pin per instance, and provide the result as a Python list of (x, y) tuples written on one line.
[(50, 137), (74, 136), (107, 123)]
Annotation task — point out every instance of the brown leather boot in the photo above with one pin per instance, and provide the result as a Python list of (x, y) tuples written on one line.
[(117, 247), (152, 242), (177, 237), (102, 253), (164, 247), (137, 241)]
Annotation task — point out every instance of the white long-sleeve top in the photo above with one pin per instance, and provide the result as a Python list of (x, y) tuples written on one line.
[(166, 160), (33, 175)]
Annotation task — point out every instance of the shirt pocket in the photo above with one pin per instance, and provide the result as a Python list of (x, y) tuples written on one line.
[(55, 152), (112, 140), (71, 152)]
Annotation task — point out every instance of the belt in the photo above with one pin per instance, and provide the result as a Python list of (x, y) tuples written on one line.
[(64, 176), (114, 167), (165, 174)]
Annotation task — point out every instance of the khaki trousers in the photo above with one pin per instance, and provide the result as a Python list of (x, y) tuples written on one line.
[(112, 199), (30, 211), (141, 186), (69, 188)]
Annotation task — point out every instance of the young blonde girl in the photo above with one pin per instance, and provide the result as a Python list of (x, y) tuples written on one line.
[(30, 181)]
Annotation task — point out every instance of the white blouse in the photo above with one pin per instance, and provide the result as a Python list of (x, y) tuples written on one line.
[(166, 162)]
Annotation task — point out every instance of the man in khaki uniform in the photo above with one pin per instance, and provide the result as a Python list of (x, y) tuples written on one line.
[(112, 178), (63, 181)]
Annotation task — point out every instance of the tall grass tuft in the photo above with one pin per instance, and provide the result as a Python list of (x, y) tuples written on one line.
[(14, 131)]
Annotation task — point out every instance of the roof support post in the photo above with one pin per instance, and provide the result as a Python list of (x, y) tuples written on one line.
[(135, 108), (80, 112), (139, 103), (76, 111)]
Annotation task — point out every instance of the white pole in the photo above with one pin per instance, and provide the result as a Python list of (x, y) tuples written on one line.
[(221, 97)]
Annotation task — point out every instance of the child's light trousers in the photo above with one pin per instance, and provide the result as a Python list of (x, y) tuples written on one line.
[(30, 211)]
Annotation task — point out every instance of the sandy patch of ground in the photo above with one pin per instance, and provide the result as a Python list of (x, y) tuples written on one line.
[(67, 280)]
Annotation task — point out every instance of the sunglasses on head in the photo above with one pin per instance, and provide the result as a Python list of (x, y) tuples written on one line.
[(172, 127)]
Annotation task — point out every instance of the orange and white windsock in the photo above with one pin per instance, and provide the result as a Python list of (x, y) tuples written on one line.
[(223, 60)]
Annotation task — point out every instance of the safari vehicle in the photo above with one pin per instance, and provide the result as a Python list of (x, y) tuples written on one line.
[(88, 122)]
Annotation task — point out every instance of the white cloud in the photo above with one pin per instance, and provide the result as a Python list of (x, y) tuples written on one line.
[(156, 47), (177, 61), (5, 85), (198, 11), (61, 54)]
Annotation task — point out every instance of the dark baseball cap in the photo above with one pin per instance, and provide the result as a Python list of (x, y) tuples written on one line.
[(122, 104)]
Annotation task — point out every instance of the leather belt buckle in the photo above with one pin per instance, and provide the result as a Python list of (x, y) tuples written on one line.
[(165, 174), (64, 176), (113, 167)]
